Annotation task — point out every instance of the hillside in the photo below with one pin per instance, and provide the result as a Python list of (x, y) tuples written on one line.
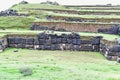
[(41, 12), (49, 41), (14, 22)]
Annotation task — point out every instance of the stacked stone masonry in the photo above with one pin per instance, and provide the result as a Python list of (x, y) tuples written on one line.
[(73, 42)]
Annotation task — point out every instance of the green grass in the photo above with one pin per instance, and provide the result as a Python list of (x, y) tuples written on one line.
[(96, 7), (53, 65), (15, 22), (86, 16), (23, 7), (83, 10), (75, 15), (2, 35), (57, 65), (109, 37)]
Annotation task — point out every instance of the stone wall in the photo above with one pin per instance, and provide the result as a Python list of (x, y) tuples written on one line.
[(83, 19), (80, 12), (73, 42), (3, 43), (55, 42), (77, 27)]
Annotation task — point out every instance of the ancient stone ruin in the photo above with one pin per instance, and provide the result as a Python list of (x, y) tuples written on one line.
[(41, 27), (23, 2), (49, 2), (73, 42), (11, 12), (113, 30), (55, 42), (3, 44)]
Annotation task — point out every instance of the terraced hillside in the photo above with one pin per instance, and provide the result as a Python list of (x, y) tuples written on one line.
[(58, 13), (31, 19), (81, 15)]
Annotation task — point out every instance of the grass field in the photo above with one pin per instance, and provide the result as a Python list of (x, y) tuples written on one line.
[(57, 65)]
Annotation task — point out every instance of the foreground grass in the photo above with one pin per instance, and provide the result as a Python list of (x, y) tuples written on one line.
[(57, 65)]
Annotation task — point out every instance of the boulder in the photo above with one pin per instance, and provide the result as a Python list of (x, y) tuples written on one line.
[(23, 2), (1, 42), (113, 30), (30, 41), (17, 40), (86, 41), (115, 48), (96, 40), (41, 41), (118, 59), (11, 40), (109, 57)]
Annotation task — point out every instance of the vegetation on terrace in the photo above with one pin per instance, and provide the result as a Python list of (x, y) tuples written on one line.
[(28, 32), (13, 22), (85, 16), (23, 7), (52, 65), (83, 10), (21, 23)]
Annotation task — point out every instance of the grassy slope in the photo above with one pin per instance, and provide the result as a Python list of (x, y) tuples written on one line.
[(25, 22), (57, 65), (58, 7), (15, 22), (22, 7), (54, 65), (41, 15)]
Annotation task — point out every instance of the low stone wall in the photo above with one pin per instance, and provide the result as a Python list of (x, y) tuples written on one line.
[(54, 42), (113, 30), (97, 13), (74, 42), (80, 19), (80, 12), (3, 43), (77, 27), (110, 52)]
